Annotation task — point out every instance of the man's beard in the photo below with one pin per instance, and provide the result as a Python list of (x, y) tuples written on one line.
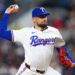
[(43, 26)]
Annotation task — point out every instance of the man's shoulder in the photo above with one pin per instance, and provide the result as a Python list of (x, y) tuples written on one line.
[(52, 28), (26, 29), (23, 30)]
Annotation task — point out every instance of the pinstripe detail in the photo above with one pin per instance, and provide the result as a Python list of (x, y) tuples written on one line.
[(22, 70), (12, 37)]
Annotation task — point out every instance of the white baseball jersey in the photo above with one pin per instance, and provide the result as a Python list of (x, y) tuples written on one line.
[(38, 45)]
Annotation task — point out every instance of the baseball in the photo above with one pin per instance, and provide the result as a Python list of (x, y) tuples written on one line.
[(16, 6)]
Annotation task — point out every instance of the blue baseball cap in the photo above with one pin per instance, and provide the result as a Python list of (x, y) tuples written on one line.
[(39, 11)]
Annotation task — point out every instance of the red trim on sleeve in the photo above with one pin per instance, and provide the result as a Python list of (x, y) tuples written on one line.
[(12, 39)]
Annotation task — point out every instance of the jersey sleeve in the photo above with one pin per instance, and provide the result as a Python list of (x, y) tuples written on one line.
[(59, 40), (17, 35)]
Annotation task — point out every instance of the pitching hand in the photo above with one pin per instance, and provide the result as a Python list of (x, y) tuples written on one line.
[(12, 9)]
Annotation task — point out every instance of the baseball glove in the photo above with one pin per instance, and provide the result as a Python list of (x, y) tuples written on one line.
[(65, 61)]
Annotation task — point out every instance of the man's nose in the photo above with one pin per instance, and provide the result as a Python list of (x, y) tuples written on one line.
[(44, 19)]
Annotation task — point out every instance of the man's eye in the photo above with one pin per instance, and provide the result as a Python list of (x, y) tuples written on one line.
[(42, 16)]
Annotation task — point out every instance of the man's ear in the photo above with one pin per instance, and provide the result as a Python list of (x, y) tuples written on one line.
[(33, 19)]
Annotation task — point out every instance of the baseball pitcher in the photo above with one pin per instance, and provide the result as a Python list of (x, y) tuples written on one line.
[(38, 41)]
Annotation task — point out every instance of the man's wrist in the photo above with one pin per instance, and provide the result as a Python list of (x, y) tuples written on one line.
[(7, 12), (72, 65)]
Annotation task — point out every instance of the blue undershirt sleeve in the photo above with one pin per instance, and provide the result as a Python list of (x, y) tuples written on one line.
[(4, 22), (4, 33), (7, 34)]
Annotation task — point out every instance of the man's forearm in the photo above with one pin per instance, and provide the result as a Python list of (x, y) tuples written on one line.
[(4, 22), (4, 33)]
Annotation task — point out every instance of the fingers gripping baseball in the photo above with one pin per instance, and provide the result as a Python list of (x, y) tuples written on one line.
[(12, 9)]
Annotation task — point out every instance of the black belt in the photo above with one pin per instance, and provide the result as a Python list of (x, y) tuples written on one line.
[(28, 66)]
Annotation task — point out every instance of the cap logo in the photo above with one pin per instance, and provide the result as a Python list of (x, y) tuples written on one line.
[(42, 9)]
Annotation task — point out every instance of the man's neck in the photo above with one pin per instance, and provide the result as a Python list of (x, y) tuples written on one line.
[(40, 28)]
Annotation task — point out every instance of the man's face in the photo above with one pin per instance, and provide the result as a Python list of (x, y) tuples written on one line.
[(40, 21)]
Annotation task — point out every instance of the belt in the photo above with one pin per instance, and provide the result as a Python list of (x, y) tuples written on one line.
[(39, 71)]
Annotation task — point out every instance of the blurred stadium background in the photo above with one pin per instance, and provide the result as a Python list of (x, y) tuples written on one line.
[(62, 17)]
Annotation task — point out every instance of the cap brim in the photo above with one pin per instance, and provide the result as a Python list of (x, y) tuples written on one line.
[(46, 14)]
